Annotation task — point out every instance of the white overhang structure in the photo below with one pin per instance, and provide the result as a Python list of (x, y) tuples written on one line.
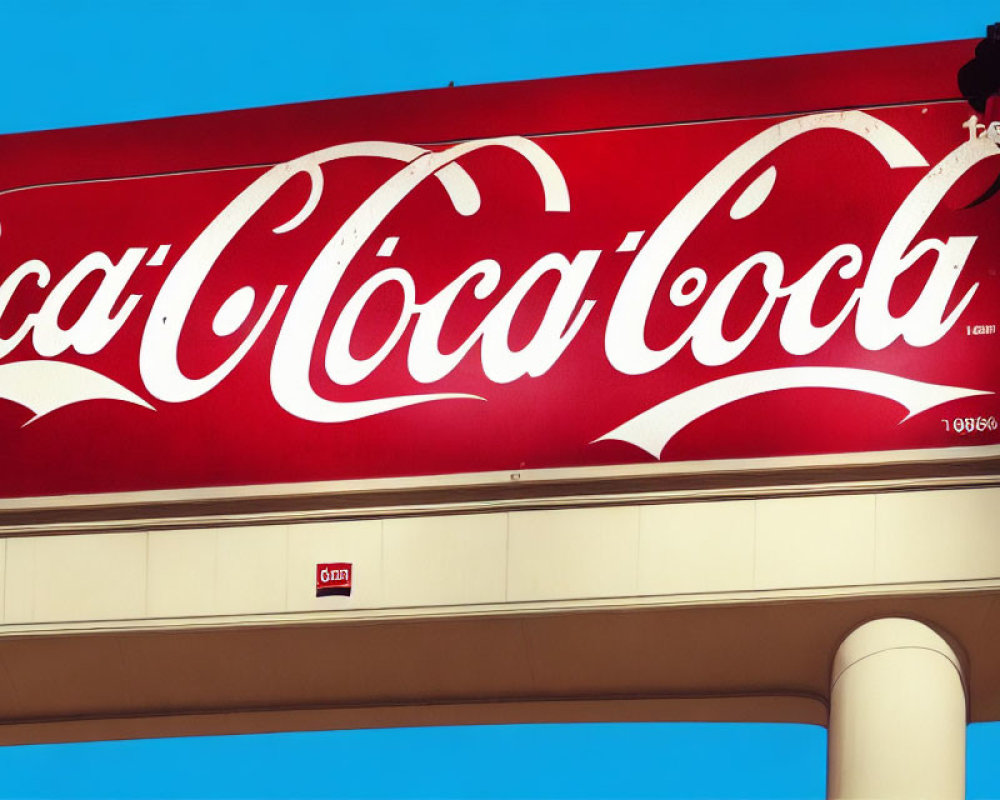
[(613, 599)]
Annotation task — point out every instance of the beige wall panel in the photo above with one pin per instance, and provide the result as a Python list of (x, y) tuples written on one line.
[(182, 573), (815, 541), (252, 571), (357, 543), (19, 581), (3, 571), (575, 553), (696, 547), (943, 535), (453, 560), (87, 577)]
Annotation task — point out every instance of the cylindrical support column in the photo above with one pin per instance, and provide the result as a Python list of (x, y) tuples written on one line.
[(897, 715)]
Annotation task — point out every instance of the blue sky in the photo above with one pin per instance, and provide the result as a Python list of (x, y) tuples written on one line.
[(74, 63)]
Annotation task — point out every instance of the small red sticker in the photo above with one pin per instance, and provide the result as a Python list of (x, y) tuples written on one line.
[(333, 579)]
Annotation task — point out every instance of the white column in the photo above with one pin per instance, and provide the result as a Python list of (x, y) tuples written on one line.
[(897, 715)]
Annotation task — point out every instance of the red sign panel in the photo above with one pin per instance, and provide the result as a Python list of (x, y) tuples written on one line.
[(347, 303), (333, 579)]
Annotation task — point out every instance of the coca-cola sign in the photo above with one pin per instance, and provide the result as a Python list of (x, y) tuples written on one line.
[(806, 283)]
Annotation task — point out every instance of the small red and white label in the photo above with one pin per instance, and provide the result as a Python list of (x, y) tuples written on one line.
[(333, 579)]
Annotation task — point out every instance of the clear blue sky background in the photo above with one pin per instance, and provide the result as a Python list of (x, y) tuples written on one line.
[(75, 63)]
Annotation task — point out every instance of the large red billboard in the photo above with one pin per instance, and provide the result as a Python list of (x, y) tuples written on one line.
[(760, 260)]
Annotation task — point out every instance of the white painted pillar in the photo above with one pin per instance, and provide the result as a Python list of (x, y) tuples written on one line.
[(897, 715)]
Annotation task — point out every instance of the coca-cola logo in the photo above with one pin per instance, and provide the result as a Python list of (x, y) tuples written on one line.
[(288, 324)]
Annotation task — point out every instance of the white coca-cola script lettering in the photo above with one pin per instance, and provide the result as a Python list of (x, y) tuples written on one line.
[(45, 384)]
